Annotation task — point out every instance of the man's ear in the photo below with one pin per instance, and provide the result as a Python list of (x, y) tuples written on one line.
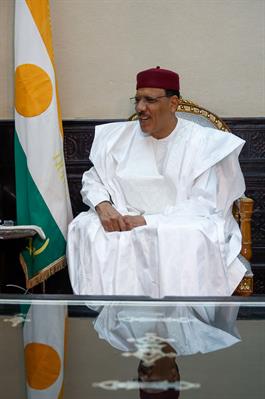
[(174, 102)]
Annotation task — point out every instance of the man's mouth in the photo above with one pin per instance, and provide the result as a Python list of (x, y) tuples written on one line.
[(143, 117)]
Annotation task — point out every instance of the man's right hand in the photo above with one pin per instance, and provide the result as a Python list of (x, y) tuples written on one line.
[(111, 219)]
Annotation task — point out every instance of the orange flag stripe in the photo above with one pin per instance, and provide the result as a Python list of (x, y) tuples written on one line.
[(41, 14), (40, 11)]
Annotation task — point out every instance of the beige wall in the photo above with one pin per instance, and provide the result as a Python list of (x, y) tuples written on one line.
[(217, 46)]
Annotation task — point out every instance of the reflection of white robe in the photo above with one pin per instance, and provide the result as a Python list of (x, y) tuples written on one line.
[(191, 241), (188, 329)]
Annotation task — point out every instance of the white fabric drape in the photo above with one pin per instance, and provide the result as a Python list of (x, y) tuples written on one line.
[(191, 241), (188, 329)]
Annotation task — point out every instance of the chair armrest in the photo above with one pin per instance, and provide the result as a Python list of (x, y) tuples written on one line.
[(242, 213), (245, 207)]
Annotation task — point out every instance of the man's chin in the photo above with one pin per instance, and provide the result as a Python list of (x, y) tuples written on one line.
[(145, 127)]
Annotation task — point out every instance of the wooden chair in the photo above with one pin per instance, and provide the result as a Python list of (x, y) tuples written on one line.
[(243, 207)]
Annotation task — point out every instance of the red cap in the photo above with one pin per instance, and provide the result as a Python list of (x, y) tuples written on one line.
[(158, 78)]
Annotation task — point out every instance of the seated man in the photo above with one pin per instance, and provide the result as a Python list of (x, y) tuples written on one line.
[(160, 194)]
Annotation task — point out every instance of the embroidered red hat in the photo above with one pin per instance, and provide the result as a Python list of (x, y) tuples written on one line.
[(157, 78)]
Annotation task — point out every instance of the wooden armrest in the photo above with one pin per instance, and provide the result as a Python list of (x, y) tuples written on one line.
[(245, 206), (242, 212)]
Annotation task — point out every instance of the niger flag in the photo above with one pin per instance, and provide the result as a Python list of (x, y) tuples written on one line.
[(41, 184), (41, 192)]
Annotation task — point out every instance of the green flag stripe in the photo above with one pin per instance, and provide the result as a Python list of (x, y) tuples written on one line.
[(32, 209)]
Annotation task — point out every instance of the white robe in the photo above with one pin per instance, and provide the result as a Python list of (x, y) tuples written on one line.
[(188, 329), (191, 241)]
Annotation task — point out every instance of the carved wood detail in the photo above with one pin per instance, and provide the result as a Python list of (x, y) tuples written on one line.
[(245, 212)]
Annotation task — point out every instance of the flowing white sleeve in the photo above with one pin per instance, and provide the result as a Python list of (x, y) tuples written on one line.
[(93, 191)]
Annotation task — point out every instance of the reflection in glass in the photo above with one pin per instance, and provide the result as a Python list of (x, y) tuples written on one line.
[(157, 335)]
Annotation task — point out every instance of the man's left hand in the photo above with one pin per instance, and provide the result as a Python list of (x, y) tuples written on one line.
[(133, 221)]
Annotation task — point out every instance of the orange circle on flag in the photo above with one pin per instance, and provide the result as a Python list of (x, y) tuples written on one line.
[(33, 90), (43, 365)]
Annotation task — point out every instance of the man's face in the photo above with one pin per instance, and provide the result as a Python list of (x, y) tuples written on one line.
[(156, 112)]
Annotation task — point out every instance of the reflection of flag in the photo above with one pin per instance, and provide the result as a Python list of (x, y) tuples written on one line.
[(44, 343), (41, 189), (41, 186)]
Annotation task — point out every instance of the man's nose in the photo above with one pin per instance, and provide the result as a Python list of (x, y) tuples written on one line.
[(141, 105)]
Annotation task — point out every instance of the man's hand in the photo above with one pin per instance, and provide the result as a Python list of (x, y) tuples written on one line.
[(112, 220), (133, 221)]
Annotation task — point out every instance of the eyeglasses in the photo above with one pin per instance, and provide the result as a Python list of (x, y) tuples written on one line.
[(145, 99)]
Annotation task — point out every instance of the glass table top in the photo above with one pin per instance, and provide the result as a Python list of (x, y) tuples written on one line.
[(117, 347)]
